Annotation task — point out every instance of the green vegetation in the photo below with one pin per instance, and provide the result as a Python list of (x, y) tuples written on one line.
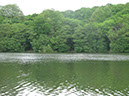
[(92, 30)]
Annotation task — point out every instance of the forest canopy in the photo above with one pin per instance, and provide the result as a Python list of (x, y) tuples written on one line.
[(100, 29)]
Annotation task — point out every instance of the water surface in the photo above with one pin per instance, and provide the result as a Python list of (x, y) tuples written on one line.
[(27, 74)]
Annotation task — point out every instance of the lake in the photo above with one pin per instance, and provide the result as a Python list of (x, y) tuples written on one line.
[(29, 74)]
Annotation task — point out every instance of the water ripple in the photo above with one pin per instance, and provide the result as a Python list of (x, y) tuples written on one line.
[(26, 88), (30, 57), (63, 79)]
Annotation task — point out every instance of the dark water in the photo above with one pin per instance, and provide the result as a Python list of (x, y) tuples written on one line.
[(64, 75)]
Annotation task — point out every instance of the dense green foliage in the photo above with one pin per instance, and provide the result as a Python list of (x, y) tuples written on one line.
[(92, 30)]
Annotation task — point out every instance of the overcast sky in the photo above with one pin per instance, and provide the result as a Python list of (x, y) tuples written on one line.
[(37, 6)]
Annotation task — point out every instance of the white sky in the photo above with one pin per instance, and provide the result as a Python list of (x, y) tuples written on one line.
[(37, 6)]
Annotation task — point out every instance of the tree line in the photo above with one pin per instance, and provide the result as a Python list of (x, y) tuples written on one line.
[(99, 29)]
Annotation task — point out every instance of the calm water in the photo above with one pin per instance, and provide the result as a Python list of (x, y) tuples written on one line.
[(64, 74)]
